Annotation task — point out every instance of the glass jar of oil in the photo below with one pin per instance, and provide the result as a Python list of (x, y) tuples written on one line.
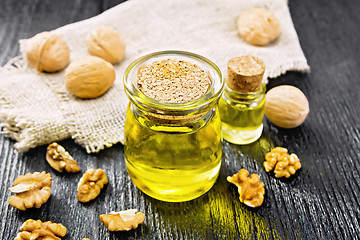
[(173, 150), (242, 103), (242, 115)]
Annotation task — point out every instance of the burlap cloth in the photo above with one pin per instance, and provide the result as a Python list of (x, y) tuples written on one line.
[(36, 109)]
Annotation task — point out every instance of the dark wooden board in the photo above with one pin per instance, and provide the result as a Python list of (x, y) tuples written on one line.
[(320, 202)]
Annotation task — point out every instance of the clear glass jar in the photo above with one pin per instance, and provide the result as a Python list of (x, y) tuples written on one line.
[(242, 115), (173, 150)]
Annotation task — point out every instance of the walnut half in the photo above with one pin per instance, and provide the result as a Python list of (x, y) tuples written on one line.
[(285, 164), (90, 184), (250, 189), (123, 220), (59, 159), (31, 230), (31, 189)]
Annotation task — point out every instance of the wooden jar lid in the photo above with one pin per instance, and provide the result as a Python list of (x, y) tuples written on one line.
[(245, 73)]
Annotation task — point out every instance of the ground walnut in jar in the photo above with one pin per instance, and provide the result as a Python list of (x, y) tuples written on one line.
[(173, 142)]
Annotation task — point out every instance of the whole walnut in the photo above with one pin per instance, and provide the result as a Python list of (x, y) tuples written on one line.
[(106, 43), (258, 26), (89, 77), (286, 106), (47, 52)]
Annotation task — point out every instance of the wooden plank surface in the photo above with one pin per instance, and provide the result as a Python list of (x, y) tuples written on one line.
[(319, 202)]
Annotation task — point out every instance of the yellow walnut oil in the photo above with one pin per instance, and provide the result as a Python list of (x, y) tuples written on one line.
[(242, 115), (173, 149), (173, 163)]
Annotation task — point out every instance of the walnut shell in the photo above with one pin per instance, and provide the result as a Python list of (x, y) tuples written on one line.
[(258, 26), (286, 106), (48, 52), (89, 77), (106, 43)]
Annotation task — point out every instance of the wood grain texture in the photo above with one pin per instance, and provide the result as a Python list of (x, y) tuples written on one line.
[(320, 202)]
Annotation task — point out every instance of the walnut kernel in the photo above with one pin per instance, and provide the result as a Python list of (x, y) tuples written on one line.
[(90, 184), (32, 190), (277, 154), (60, 159), (32, 229), (123, 220), (250, 189), (284, 163)]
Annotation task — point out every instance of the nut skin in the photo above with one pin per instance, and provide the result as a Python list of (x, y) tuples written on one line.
[(285, 164), (60, 160), (286, 106), (90, 184), (36, 229), (35, 195), (89, 77), (250, 189), (258, 26), (106, 43), (47, 52), (123, 220)]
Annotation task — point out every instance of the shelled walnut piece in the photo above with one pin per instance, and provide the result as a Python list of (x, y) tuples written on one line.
[(285, 164), (31, 189), (90, 184), (60, 159), (47, 52), (123, 220), (250, 189), (31, 230)]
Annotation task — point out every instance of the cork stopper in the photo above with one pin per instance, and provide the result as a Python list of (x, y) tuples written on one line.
[(245, 73), (173, 81)]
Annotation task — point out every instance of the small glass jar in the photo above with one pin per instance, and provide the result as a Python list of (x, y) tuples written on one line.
[(242, 115), (242, 103), (173, 150)]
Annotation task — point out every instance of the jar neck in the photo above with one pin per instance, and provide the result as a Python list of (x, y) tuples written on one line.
[(173, 113), (167, 122), (256, 96)]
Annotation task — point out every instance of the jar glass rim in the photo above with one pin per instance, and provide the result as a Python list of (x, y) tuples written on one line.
[(136, 96)]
